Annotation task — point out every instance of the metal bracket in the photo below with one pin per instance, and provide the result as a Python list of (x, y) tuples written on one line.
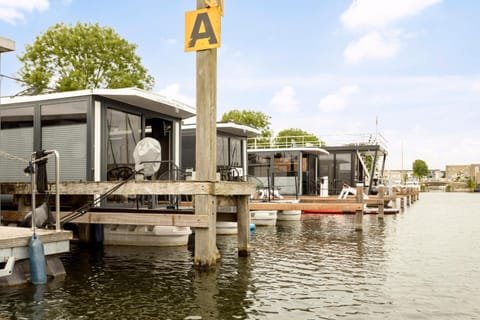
[(8, 269)]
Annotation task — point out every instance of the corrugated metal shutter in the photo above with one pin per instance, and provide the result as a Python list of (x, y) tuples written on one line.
[(17, 142), (71, 143)]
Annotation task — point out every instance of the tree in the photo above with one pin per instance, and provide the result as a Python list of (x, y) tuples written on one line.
[(420, 169), (84, 56), (298, 136), (254, 119)]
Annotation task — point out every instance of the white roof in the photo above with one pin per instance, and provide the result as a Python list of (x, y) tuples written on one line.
[(314, 150), (133, 96), (227, 127)]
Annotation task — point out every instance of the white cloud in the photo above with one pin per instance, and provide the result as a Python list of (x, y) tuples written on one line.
[(284, 100), (13, 11), (338, 100), (172, 91), (374, 14), (375, 18), (170, 41), (371, 46), (476, 87)]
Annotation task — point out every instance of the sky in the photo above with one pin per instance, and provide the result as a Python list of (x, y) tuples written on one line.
[(406, 72)]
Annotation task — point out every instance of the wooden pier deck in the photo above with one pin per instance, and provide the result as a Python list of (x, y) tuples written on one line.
[(203, 219), (14, 252), (15, 240), (332, 204)]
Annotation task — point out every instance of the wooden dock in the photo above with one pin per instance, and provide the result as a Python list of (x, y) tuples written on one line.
[(351, 204), (225, 193), (14, 243)]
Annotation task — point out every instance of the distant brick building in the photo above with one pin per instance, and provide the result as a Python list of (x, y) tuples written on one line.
[(462, 172)]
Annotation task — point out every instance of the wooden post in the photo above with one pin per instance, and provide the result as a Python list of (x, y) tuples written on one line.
[(381, 205), (206, 252), (394, 195), (409, 194), (243, 222), (359, 213), (402, 201)]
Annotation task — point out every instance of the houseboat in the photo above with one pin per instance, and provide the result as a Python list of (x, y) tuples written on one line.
[(231, 161), (231, 148), (303, 169), (95, 132)]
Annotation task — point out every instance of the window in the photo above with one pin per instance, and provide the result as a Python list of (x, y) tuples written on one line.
[(16, 138), (124, 132), (222, 151), (235, 152), (64, 128), (343, 163)]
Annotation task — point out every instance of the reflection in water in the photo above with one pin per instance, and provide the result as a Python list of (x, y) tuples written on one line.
[(422, 263)]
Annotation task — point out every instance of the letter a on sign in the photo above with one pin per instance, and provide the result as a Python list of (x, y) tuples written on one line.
[(202, 29)]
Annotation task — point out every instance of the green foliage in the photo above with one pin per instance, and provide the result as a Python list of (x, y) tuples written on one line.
[(448, 188), (420, 169), (368, 160), (298, 136), (254, 119), (84, 56), (471, 184)]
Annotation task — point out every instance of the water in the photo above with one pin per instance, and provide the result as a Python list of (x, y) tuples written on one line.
[(423, 263)]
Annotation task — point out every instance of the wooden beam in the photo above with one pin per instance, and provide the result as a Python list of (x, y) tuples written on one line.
[(352, 199), (140, 187), (145, 219), (15, 237)]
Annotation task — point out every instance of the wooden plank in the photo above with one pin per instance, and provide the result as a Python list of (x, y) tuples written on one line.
[(145, 219), (304, 206), (16, 237), (351, 199), (140, 187), (225, 188)]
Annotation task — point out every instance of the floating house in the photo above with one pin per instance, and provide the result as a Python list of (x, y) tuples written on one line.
[(291, 171), (353, 164), (231, 149), (94, 131), (303, 169)]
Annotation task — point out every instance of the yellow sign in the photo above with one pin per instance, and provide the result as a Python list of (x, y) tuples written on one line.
[(202, 29)]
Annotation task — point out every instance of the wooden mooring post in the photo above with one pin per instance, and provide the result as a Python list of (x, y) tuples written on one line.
[(359, 213), (394, 200), (409, 196), (206, 252), (243, 221), (381, 205)]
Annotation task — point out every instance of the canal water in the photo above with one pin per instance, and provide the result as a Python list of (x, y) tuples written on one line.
[(423, 263)]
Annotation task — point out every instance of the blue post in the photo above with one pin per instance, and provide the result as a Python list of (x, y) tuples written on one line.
[(38, 268)]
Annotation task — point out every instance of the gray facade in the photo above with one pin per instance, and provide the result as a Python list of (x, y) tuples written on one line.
[(94, 131)]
